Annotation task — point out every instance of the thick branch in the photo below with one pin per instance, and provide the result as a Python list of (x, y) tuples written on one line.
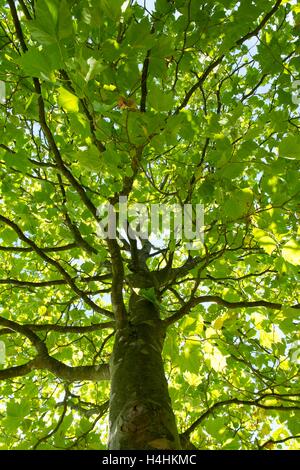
[(185, 309), (53, 282), (17, 371), (57, 266), (44, 361), (60, 370), (235, 401), (25, 10), (63, 328), (117, 283), (25, 331), (23, 249), (161, 277), (73, 374)]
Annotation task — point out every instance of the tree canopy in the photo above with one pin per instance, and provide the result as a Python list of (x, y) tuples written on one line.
[(180, 102)]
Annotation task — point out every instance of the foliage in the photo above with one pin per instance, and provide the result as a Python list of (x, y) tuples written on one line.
[(188, 102)]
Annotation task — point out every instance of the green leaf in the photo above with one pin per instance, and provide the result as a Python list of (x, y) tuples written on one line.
[(17, 160), (43, 27), (289, 147), (88, 267), (35, 63), (111, 158), (214, 425), (68, 101), (139, 36), (291, 252), (8, 235), (294, 425), (239, 203), (18, 410), (264, 240), (221, 127), (89, 159), (112, 9), (158, 99), (64, 21)]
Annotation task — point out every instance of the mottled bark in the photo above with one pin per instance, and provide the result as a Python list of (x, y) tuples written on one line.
[(141, 415)]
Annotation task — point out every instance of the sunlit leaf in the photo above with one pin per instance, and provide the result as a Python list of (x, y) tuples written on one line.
[(291, 252), (68, 100)]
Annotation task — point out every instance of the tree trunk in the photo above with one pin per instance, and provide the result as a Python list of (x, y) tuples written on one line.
[(141, 415)]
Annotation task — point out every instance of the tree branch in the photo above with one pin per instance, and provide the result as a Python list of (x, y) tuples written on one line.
[(54, 249), (53, 282), (144, 90), (17, 371), (46, 129), (200, 82), (86, 408), (17, 24), (97, 143), (94, 373), (117, 297), (38, 344), (44, 361), (25, 10), (263, 22), (219, 59), (185, 309), (63, 328), (62, 371), (72, 227), (271, 442), (117, 283), (235, 401), (58, 424), (57, 266)]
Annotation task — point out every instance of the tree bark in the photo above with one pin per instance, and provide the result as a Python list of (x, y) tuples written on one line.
[(141, 415)]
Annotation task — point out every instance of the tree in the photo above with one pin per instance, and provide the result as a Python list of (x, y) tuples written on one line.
[(184, 102)]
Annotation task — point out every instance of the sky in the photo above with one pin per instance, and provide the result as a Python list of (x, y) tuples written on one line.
[(149, 4)]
